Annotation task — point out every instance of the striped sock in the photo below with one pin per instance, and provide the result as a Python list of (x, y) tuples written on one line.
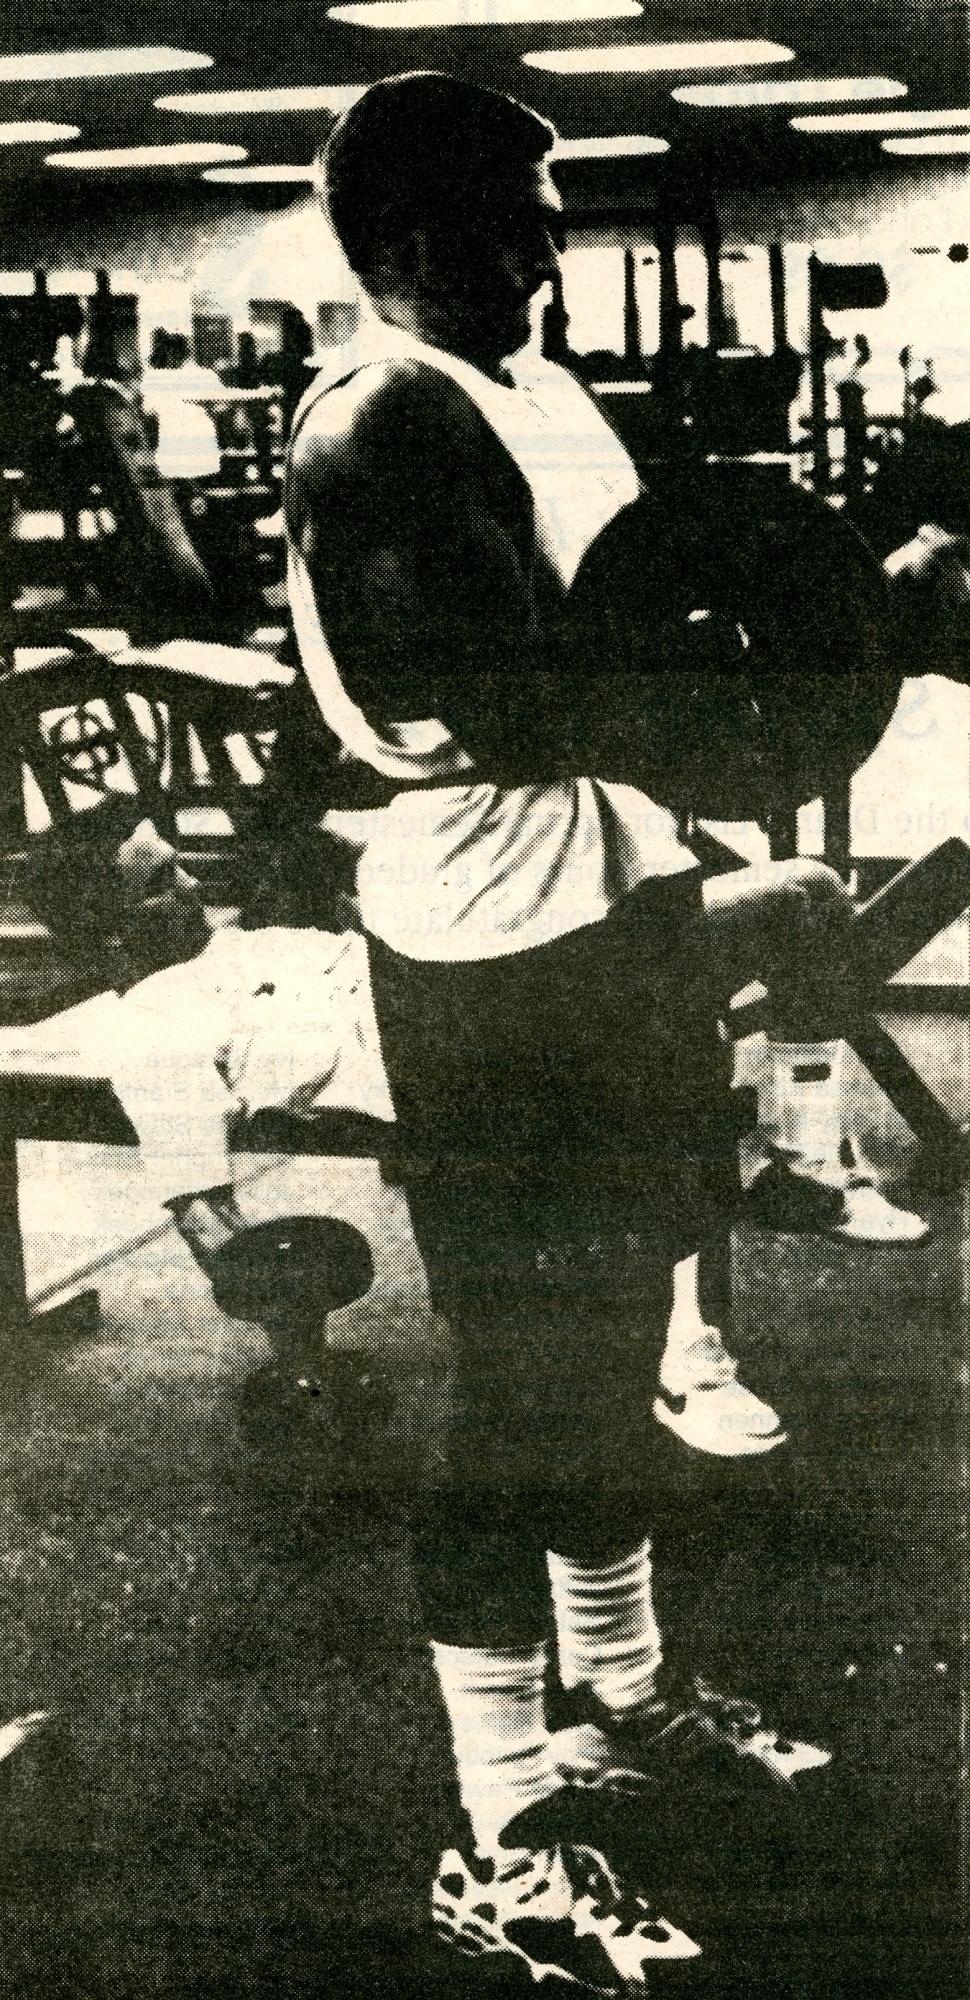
[(606, 1629), (496, 1704)]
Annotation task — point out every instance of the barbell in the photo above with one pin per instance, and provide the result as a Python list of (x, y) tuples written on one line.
[(731, 646)]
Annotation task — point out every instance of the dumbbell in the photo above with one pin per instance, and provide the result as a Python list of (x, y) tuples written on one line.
[(288, 1275)]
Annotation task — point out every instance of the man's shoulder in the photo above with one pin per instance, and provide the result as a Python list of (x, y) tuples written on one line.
[(383, 408)]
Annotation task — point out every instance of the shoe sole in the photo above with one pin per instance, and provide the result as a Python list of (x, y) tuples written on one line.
[(836, 1232), (472, 1941), (749, 1447), (472, 1927), (846, 1234)]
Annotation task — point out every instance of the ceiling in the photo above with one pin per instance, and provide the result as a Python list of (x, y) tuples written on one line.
[(923, 43)]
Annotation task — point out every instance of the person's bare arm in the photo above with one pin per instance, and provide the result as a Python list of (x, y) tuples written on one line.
[(427, 593)]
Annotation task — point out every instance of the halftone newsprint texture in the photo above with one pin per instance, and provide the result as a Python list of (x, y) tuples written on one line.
[(485, 985)]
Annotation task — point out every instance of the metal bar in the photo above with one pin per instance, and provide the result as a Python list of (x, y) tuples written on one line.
[(632, 335), (837, 808), (913, 1099), (670, 353), (776, 279), (924, 899), (911, 997), (13, 1286), (817, 351), (709, 229)]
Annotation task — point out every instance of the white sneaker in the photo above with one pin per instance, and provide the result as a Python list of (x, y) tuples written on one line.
[(700, 1399), (870, 1218), (563, 1914), (839, 1202)]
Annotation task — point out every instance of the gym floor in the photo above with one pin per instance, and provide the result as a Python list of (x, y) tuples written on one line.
[(242, 1786)]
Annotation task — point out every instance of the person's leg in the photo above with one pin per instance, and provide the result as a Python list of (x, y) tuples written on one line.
[(688, 1128), (532, 1881), (786, 923), (508, 1261), (553, 1327), (608, 1640), (816, 1179), (668, 1066), (777, 922), (478, 1549), (632, 1715), (700, 1395)]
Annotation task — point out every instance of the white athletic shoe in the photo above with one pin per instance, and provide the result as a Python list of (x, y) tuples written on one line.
[(843, 1204), (700, 1399), (871, 1218), (560, 1914)]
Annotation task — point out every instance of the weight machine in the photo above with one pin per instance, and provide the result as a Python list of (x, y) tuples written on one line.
[(93, 535)]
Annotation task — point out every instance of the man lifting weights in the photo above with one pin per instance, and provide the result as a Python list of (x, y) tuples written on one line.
[(548, 971)]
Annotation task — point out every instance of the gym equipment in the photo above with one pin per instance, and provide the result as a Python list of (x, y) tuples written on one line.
[(730, 642), (120, 546), (886, 932), (738, 401), (105, 742), (833, 288), (687, 401), (88, 738), (289, 1274), (144, 564), (928, 479), (845, 1000), (310, 1410)]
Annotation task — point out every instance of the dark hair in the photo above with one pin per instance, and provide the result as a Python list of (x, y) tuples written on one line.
[(417, 149)]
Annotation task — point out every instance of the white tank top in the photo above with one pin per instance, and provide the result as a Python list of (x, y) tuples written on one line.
[(476, 871)]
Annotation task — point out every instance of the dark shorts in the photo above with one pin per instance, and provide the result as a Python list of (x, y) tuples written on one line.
[(578, 1090)]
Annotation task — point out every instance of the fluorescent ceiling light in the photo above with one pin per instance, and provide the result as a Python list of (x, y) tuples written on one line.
[(799, 90), (335, 97), (636, 58), (627, 146), (62, 64), (881, 121), (35, 132), (179, 155), (257, 173), (478, 13), (940, 142)]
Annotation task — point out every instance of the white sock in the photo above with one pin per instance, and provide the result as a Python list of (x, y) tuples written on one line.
[(686, 1319), (800, 1107), (606, 1628), (495, 1699), (694, 1351)]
